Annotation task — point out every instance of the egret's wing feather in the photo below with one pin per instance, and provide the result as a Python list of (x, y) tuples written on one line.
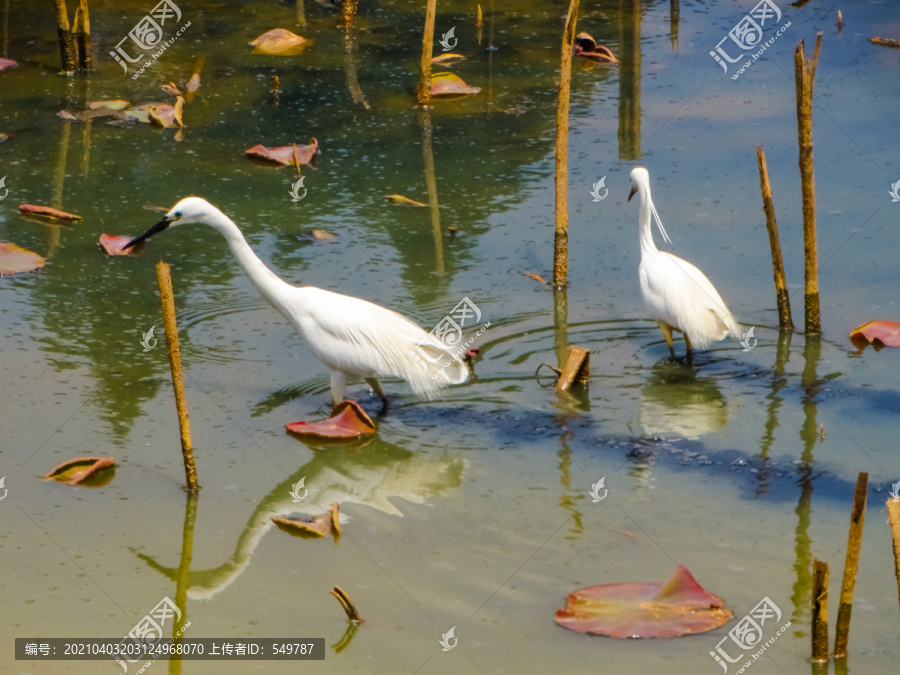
[(365, 340)]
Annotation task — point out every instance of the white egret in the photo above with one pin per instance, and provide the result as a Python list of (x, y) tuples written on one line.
[(677, 294), (355, 339)]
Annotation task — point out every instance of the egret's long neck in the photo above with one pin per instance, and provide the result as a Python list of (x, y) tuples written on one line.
[(266, 281), (647, 243)]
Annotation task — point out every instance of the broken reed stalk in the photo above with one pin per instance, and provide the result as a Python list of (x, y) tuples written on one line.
[(885, 42), (781, 291), (348, 12), (561, 228), (168, 304), (851, 565), (66, 40), (83, 28), (423, 91), (820, 612), (893, 509), (804, 74), (576, 369), (347, 604)]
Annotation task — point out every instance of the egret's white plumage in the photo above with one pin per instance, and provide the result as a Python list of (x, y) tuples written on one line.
[(677, 294), (355, 339)]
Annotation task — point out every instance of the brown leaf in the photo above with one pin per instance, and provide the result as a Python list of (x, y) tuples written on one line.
[(335, 521), (170, 88), (348, 421), (48, 212), (586, 47), (79, 470), (322, 235), (399, 200), (279, 42), (536, 277), (285, 154), (448, 84), (168, 116), (311, 527), (113, 245), (15, 259)]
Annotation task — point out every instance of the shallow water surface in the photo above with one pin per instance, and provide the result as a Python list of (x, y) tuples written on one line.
[(471, 511)]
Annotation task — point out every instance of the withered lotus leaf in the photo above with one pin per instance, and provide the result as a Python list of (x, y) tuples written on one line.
[(448, 84), (7, 64), (48, 212), (400, 200), (285, 154), (15, 259), (679, 607), (170, 88), (279, 42), (168, 116), (536, 277), (82, 470), (586, 47), (349, 421), (117, 104), (311, 527), (885, 332), (193, 84), (447, 59), (113, 245)]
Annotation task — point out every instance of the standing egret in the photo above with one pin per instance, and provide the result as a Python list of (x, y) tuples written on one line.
[(677, 294), (355, 339)]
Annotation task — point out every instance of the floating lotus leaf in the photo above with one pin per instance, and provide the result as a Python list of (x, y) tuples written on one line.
[(448, 84), (48, 212), (113, 245), (15, 259), (87, 471), (879, 333), (586, 47), (349, 421), (447, 59), (117, 104), (285, 154), (679, 607), (168, 116), (311, 527), (7, 64), (279, 42)]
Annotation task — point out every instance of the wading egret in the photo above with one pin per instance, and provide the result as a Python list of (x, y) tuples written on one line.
[(677, 294), (355, 339)]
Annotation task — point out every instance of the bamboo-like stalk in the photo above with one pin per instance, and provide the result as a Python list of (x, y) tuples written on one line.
[(804, 74), (561, 228), (893, 509), (431, 185), (820, 612), (851, 565), (423, 91), (167, 296), (674, 18), (301, 14), (781, 292), (182, 579), (67, 51), (83, 28)]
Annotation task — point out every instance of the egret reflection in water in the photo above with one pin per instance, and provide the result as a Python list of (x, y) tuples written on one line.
[(676, 400), (374, 477)]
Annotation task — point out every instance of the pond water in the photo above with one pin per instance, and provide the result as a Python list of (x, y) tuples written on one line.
[(471, 511)]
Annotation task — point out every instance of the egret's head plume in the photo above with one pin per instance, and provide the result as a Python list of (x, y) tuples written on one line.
[(640, 183)]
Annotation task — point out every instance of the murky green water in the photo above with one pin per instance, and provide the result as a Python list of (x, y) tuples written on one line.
[(471, 511)]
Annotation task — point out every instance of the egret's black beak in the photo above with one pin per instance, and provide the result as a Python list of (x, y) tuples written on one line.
[(630, 195), (156, 229)]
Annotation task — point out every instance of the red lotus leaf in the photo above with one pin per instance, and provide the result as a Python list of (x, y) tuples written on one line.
[(48, 212), (678, 607), (113, 245), (7, 64), (285, 154), (168, 116), (448, 84), (311, 527), (279, 42), (83, 471), (879, 333), (349, 421), (15, 259)]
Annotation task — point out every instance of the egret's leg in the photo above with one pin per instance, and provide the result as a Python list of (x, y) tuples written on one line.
[(338, 384), (667, 334), (690, 349), (375, 383)]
